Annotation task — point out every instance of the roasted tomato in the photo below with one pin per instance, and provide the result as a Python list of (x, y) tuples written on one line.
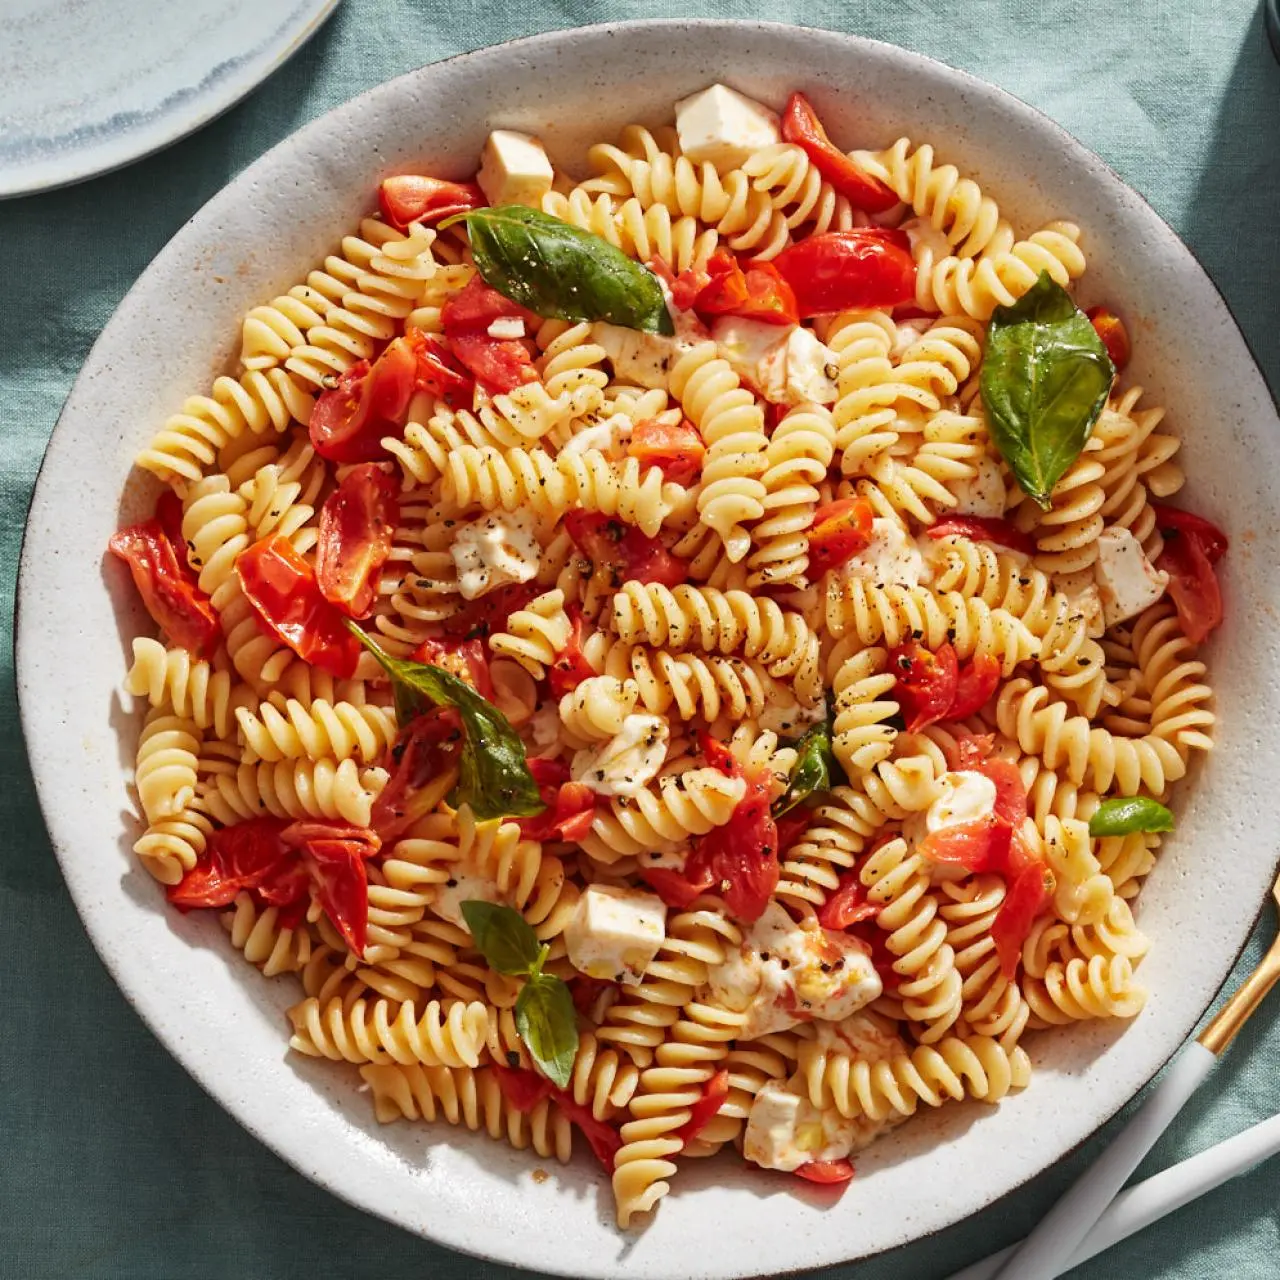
[(369, 402), (849, 270), (757, 293), (356, 525), (926, 682), (801, 126), (410, 197), (1115, 337), (502, 364), (630, 554), (1192, 547), (984, 529), (676, 450), (839, 531)]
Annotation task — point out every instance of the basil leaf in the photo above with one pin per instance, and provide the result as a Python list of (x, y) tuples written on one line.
[(555, 269), (493, 771), (503, 936), (1124, 815), (813, 770), (1045, 379), (548, 1024)]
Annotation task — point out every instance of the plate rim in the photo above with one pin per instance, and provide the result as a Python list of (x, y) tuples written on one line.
[(167, 129), (191, 1060)]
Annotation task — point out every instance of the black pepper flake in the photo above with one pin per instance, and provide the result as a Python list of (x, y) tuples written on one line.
[(451, 883), (513, 1058)]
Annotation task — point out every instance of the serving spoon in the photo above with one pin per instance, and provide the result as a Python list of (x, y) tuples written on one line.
[(1046, 1252)]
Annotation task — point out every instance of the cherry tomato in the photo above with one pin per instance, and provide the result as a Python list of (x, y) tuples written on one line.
[(466, 659), (285, 597), (826, 1173), (976, 681), (714, 1092), (570, 667), (423, 750), (1115, 337), (1026, 897), (1192, 546), (440, 371), (970, 750), (984, 529), (676, 888), (926, 682), (839, 531), (757, 293), (335, 857), (981, 845), (503, 364), (570, 806), (235, 858), (677, 450), (369, 402), (524, 1089), (178, 606), (356, 525), (849, 270), (169, 513), (480, 618), (631, 554), (410, 197), (686, 286), (586, 991), (801, 126), (848, 904)]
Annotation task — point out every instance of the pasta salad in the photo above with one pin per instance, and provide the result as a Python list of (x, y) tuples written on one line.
[(686, 659)]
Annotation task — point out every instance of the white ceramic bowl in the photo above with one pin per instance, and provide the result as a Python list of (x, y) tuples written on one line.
[(179, 326)]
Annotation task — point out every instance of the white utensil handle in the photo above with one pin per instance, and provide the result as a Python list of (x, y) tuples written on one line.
[(1045, 1252), (1163, 1193)]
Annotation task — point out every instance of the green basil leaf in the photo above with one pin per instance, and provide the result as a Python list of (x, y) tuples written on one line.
[(493, 770), (548, 1024), (555, 269), (1045, 379), (1126, 814), (813, 771), (502, 935)]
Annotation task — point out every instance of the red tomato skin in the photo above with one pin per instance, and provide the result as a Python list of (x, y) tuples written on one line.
[(827, 1173), (975, 683), (714, 1092), (675, 888), (281, 589), (926, 682), (570, 667), (169, 592), (369, 402), (839, 531), (1115, 337), (1027, 896), (524, 1089), (423, 750), (235, 858), (440, 371), (848, 904), (677, 451), (757, 293), (1173, 520), (801, 126), (740, 859), (502, 364), (466, 659), (357, 522), (1193, 586), (408, 197), (570, 809), (629, 552), (845, 270), (984, 529), (169, 514), (480, 618), (342, 886)]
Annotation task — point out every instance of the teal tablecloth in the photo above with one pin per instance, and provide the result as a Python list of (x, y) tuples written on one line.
[(112, 1162)]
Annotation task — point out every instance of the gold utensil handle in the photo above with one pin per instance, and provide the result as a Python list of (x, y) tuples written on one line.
[(1236, 1012)]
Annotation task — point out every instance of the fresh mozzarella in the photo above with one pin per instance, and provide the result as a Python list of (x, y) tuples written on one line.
[(929, 244), (963, 796), (788, 719), (495, 550), (864, 1036), (1127, 581), (785, 1130), (908, 334), (609, 436), (627, 762), (720, 126), (514, 169), (983, 494), (639, 358), (463, 886), (785, 364), (785, 973), (891, 558), (614, 933), (507, 327)]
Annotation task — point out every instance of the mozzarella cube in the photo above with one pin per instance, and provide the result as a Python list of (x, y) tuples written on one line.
[(463, 886), (962, 796), (982, 494), (639, 358), (514, 169), (891, 558), (626, 763), (614, 933), (609, 436), (785, 973), (720, 126), (785, 1130), (784, 364), (495, 550), (1127, 581)]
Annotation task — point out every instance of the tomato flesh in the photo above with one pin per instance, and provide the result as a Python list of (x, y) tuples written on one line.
[(466, 659), (423, 750), (848, 904), (827, 1173), (714, 1092), (631, 554), (282, 590), (676, 450), (1193, 545), (926, 682), (502, 364), (369, 402), (1026, 898), (984, 529), (357, 522), (801, 126), (524, 1089), (1115, 337), (846, 270), (409, 197), (570, 667), (757, 293), (976, 681), (839, 531), (570, 806)]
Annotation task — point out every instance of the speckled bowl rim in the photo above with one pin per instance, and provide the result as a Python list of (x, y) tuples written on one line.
[(106, 152), (471, 1236)]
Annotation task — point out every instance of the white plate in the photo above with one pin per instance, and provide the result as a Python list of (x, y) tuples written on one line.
[(89, 87), (225, 1024)]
